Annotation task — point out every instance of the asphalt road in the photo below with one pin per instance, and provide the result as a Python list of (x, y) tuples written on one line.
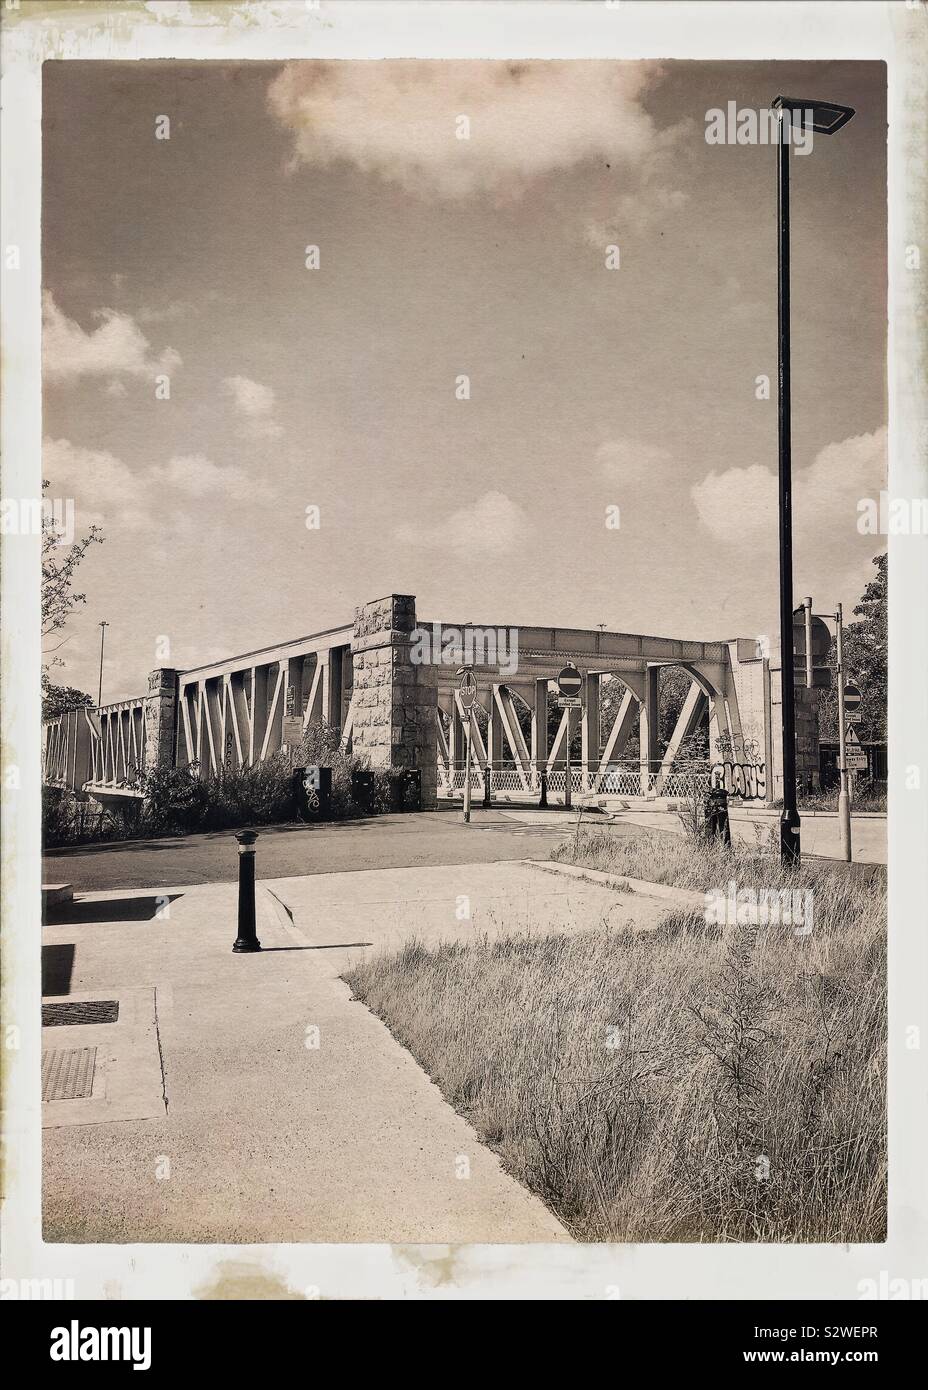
[(286, 851)]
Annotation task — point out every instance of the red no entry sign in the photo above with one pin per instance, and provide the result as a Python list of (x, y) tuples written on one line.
[(852, 696), (569, 681)]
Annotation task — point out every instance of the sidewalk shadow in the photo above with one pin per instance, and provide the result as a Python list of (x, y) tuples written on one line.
[(57, 966), (332, 946), (96, 911)]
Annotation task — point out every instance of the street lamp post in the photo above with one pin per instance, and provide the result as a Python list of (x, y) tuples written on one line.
[(103, 626), (825, 118)]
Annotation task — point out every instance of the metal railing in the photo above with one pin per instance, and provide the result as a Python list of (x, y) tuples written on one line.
[(623, 779)]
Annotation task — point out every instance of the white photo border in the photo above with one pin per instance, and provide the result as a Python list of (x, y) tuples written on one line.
[(895, 33)]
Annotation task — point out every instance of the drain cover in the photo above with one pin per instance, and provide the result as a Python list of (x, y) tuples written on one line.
[(67, 1073), (80, 1011)]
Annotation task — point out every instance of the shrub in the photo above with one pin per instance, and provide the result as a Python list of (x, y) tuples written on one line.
[(255, 795), (68, 819), (175, 800)]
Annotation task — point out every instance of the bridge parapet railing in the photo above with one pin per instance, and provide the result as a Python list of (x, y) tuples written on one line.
[(626, 778), (119, 753), (97, 748)]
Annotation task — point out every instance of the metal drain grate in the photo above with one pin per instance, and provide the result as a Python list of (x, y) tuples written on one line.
[(80, 1011), (67, 1073)]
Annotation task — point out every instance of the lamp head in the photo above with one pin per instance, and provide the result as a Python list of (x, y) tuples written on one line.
[(826, 117)]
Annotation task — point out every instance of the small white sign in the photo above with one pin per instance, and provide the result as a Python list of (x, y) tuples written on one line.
[(292, 732), (569, 702), (855, 759)]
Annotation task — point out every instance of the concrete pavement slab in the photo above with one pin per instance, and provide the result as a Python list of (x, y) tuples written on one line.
[(291, 1114), (128, 1082), (351, 914)]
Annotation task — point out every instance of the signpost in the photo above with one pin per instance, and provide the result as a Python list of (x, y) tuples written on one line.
[(467, 694), (569, 684)]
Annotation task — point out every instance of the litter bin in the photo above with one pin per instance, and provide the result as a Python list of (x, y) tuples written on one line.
[(411, 789), (395, 790), (362, 791), (312, 793), (716, 812)]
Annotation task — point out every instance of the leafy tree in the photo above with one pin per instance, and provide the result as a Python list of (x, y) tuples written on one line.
[(59, 566), (673, 689), (56, 699), (865, 662)]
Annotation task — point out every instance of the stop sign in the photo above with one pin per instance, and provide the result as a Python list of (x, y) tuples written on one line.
[(852, 696), (569, 681), (467, 690)]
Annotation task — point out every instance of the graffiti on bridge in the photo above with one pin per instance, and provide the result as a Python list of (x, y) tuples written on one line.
[(739, 769), (745, 779)]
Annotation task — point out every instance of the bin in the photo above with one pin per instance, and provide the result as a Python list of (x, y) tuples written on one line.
[(312, 793), (362, 791)]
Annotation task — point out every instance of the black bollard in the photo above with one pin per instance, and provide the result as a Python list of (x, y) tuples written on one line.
[(247, 939), (487, 786), (543, 800)]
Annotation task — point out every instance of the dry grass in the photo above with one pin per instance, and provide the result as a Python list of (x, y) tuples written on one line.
[(694, 1083)]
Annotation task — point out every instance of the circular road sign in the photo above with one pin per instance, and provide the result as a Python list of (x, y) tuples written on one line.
[(468, 690), (821, 636), (569, 681), (852, 697)]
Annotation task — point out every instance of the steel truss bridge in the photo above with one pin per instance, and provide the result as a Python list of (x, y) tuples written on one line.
[(361, 680)]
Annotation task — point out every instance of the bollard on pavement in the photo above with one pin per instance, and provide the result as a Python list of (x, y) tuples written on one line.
[(247, 939), (543, 801)]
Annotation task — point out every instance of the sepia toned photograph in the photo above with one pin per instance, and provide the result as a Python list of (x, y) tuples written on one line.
[(468, 370), (464, 664)]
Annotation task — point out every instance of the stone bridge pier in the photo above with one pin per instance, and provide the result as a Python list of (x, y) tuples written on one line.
[(394, 701)]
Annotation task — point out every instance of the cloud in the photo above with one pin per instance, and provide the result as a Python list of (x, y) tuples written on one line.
[(94, 475), (493, 525), (256, 403), (740, 505), (134, 498), (117, 347), (198, 476), (398, 119)]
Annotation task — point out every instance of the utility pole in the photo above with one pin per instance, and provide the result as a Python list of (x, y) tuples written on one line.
[(807, 605), (103, 626), (844, 801)]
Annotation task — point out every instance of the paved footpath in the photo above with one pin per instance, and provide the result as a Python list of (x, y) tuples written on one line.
[(283, 1111), (821, 834)]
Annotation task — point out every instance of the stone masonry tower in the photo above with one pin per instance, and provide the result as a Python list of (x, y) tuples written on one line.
[(395, 700)]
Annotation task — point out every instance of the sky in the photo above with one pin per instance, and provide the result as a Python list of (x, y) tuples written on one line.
[(184, 260)]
